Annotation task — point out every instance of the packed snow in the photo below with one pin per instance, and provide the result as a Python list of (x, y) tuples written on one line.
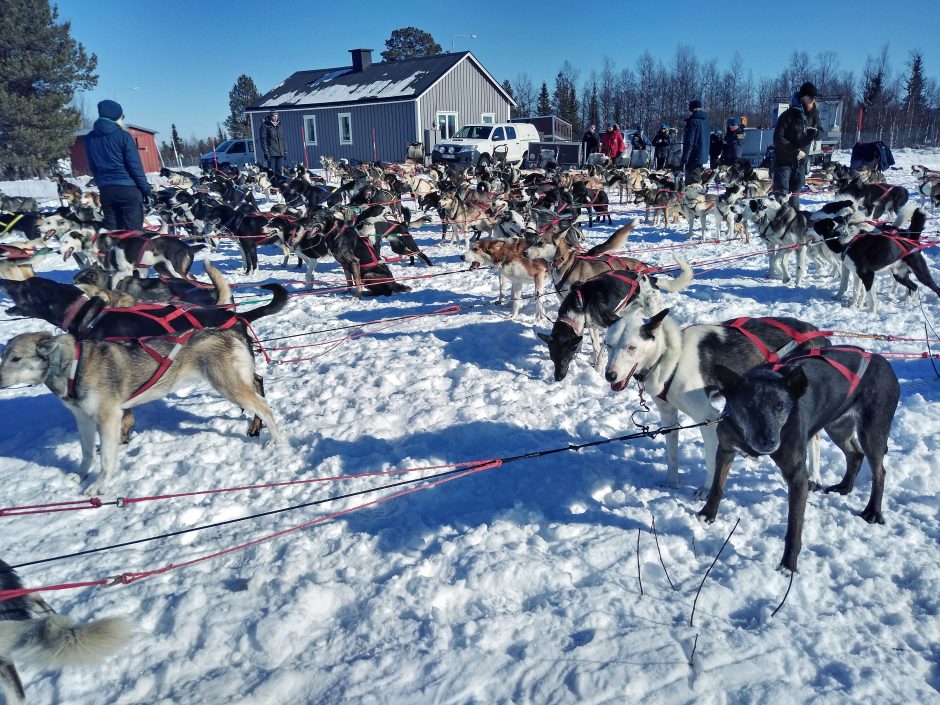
[(517, 584)]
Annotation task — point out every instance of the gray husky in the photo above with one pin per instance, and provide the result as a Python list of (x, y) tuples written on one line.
[(31, 630), (98, 380), (775, 410)]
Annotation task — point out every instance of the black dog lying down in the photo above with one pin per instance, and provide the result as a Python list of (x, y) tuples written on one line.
[(169, 289), (775, 410), (68, 307)]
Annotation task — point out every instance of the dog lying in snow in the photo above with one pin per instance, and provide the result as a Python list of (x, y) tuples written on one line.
[(30, 630)]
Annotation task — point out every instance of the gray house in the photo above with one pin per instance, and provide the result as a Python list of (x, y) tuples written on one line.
[(372, 111)]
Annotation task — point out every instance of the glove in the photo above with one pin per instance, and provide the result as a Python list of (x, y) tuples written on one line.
[(800, 155), (811, 132)]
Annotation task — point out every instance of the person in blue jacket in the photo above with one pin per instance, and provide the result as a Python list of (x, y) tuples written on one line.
[(695, 143), (733, 144), (115, 165)]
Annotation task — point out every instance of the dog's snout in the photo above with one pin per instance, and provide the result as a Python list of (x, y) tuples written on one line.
[(610, 375)]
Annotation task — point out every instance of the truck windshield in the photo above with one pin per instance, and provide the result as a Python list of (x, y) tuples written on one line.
[(474, 132)]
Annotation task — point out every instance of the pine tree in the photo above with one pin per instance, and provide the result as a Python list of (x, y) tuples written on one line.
[(915, 99), (410, 43), (243, 94), (220, 134), (175, 136), (593, 113), (507, 86), (543, 105), (41, 68)]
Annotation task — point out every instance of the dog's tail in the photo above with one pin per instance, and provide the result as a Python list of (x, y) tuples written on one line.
[(276, 304), (679, 283), (223, 292), (614, 242), (908, 211), (56, 640)]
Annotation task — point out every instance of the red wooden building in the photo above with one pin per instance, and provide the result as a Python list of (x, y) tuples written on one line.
[(146, 145)]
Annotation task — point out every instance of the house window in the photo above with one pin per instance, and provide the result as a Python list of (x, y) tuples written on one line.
[(488, 118), (310, 129), (345, 128), (447, 124)]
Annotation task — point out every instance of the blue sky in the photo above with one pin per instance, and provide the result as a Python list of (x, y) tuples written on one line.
[(184, 57)]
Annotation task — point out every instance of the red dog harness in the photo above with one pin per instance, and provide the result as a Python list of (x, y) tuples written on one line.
[(854, 378), (796, 337)]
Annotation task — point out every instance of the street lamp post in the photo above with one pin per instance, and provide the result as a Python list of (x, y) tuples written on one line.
[(454, 39)]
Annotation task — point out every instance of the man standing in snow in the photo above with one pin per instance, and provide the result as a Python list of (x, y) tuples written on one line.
[(115, 164), (590, 143), (695, 143), (796, 129), (273, 144), (662, 142)]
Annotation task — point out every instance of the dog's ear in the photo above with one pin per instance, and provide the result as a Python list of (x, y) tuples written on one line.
[(547, 337), (653, 324), (45, 347), (795, 381), (728, 379)]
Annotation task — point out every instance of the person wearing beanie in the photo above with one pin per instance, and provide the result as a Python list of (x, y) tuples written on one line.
[(640, 144), (115, 164), (695, 143), (661, 143), (796, 129), (590, 142), (732, 147), (273, 143)]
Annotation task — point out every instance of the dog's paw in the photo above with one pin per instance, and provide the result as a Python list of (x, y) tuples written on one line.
[(872, 516), (93, 490), (816, 486), (784, 571), (840, 488), (706, 515), (74, 478), (701, 493)]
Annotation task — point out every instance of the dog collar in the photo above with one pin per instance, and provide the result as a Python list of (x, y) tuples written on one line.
[(72, 311), (570, 322)]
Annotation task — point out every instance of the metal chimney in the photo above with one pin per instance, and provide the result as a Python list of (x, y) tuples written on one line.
[(361, 59)]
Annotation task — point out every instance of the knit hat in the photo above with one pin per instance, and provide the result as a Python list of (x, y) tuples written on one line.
[(110, 109), (807, 89), (664, 126), (732, 122), (695, 104)]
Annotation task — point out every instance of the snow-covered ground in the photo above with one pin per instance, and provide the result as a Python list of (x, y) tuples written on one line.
[(514, 585)]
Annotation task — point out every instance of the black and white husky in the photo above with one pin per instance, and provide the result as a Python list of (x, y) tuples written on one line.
[(877, 199), (31, 631), (677, 367)]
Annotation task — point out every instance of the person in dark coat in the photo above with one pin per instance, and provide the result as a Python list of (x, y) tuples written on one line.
[(590, 143), (661, 143), (115, 165), (796, 129), (695, 143), (715, 146), (733, 143), (273, 143)]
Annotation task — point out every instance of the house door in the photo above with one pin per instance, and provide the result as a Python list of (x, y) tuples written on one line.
[(447, 124)]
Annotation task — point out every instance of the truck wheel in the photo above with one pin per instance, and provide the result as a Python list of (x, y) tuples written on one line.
[(484, 160)]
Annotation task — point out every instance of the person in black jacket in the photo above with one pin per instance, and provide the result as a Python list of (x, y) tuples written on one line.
[(590, 143), (695, 143), (115, 163), (733, 143), (715, 146), (661, 144), (796, 129), (273, 143)]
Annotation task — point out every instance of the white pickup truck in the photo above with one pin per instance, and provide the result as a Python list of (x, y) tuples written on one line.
[(481, 144)]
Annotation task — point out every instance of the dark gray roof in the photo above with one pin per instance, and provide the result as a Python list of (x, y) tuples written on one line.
[(380, 82)]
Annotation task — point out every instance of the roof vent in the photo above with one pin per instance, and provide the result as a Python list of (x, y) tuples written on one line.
[(361, 59)]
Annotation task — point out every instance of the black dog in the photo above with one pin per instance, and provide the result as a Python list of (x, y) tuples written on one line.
[(775, 410), (876, 199), (68, 307)]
